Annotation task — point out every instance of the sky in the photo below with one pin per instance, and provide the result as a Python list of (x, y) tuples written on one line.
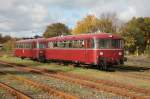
[(26, 18)]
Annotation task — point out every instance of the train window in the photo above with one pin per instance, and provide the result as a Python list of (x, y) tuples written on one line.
[(50, 44), (67, 44), (109, 43), (55, 44), (64, 44), (41, 45), (93, 43), (74, 45), (24, 46), (81, 43), (18, 45), (116, 43), (21, 45), (60, 44), (103, 43), (70, 44), (89, 43), (30, 45)]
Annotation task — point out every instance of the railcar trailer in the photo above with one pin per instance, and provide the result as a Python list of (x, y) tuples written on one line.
[(31, 48)]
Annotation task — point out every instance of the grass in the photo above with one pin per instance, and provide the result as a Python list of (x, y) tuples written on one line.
[(94, 73)]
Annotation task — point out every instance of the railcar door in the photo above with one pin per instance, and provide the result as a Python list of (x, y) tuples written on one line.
[(34, 53), (90, 51), (40, 51)]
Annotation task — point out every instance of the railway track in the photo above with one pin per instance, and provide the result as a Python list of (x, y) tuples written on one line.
[(114, 84), (44, 87), (100, 86), (14, 92)]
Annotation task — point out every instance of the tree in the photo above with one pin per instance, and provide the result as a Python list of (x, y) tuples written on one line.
[(108, 22), (56, 29), (90, 24), (1, 38), (86, 25), (136, 33), (4, 39), (9, 45)]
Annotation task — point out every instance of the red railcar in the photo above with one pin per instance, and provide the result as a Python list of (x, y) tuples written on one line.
[(31, 48), (99, 49)]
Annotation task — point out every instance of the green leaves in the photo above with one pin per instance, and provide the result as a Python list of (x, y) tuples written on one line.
[(56, 29), (137, 34)]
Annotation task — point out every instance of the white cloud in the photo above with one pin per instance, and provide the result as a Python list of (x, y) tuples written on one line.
[(128, 14), (20, 16), (7, 25), (7, 4), (38, 13), (23, 8)]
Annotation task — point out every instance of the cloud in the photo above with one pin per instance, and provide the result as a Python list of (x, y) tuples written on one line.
[(128, 14), (29, 17)]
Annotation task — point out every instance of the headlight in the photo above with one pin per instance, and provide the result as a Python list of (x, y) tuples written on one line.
[(101, 53), (120, 53), (41, 52)]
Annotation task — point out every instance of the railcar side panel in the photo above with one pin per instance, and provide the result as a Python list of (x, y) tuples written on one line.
[(66, 54)]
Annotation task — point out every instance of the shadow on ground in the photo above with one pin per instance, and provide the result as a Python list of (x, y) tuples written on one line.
[(125, 68)]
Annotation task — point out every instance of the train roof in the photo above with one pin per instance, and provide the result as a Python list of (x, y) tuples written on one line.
[(73, 37), (31, 40), (85, 36)]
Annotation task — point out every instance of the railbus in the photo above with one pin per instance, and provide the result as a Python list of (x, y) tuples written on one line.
[(99, 49)]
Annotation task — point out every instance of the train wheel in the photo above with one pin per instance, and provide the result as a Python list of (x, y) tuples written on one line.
[(22, 58), (103, 66), (42, 59)]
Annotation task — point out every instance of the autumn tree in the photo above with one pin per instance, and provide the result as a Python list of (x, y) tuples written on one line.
[(89, 24), (136, 33), (86, 25), (108, 22), (56, 29)]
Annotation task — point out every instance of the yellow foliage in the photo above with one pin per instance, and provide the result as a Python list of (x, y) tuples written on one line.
[(86, 25), (91, 24)]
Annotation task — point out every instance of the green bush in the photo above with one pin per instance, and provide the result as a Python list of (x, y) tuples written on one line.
[(9, 45)]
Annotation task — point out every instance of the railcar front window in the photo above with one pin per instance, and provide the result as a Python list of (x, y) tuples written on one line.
[(104, 43), (115, 43)]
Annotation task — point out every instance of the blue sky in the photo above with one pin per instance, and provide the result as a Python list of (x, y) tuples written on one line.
[(26, 18)]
